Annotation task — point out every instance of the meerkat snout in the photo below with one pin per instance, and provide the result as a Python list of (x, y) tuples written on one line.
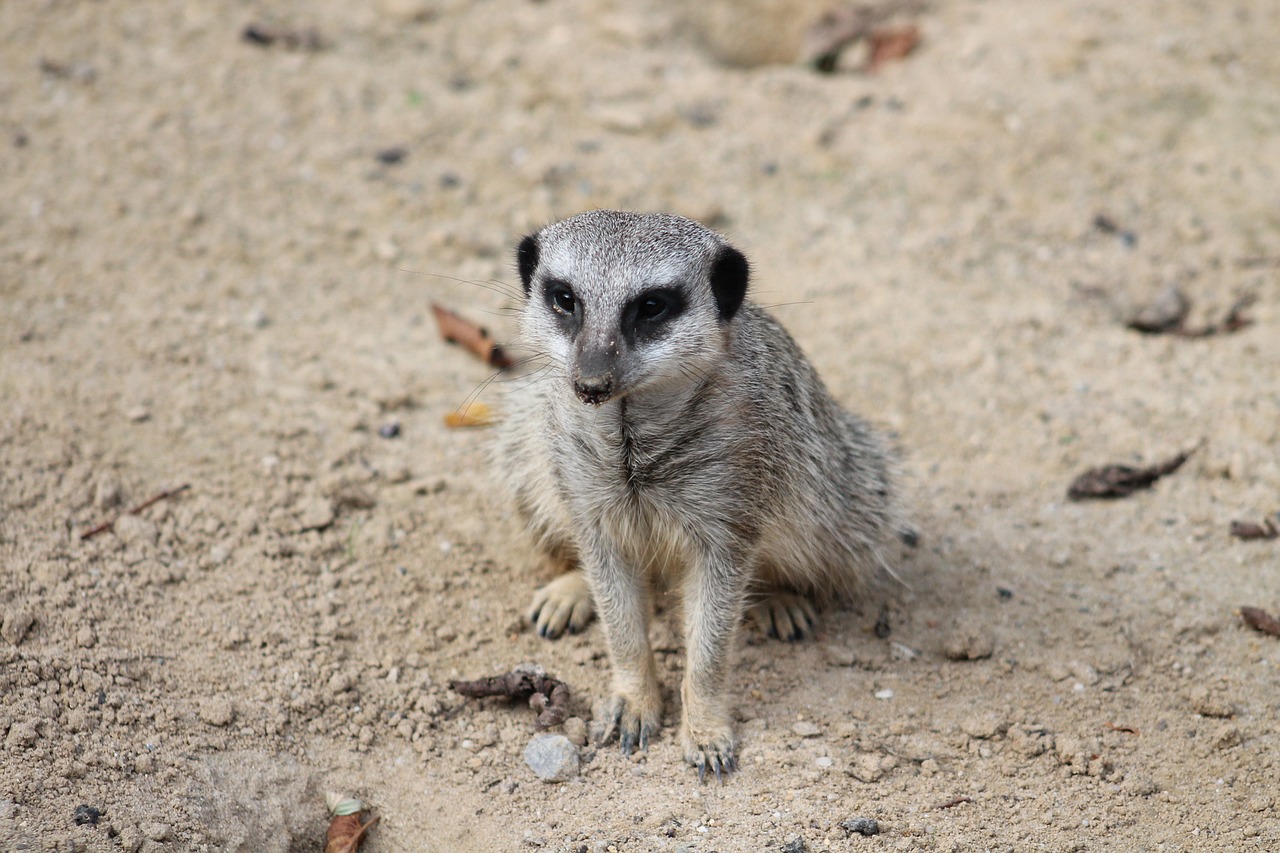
[(596, 392), (593, 371)]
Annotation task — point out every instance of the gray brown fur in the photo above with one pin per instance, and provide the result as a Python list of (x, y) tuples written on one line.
[(701, 452)]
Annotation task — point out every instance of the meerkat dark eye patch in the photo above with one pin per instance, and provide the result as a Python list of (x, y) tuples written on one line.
[(644, 316), (729, 276), (563, 304), (527, 260)]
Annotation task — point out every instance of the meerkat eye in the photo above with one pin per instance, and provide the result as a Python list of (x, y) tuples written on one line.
[(650, 313), (561, 299), (651, 308)]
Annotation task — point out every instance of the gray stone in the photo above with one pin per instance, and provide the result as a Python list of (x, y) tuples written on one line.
[(554, 758), (866, 826)]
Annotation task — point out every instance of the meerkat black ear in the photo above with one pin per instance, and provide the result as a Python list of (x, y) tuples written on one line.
[(729, 276), (527, 260)]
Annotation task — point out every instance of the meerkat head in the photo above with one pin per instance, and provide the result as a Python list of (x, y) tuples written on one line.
[(627, 301)]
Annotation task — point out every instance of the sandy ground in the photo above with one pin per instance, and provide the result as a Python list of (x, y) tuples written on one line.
[(208, 277)]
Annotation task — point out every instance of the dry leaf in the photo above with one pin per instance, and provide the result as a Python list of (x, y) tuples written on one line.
[(1118, 481), (347, 825), (474, 415), (890, 44), (1260, 620), (1252, 530)]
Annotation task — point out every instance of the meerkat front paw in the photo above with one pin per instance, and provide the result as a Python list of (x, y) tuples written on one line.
[(633, 721), (711, 750), (563, 603), (785, 616)]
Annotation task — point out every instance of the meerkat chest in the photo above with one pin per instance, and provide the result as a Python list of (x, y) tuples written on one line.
[(618, 463)]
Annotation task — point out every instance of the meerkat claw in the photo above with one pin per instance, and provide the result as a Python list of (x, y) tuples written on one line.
[(628, 726), (720, 765), (785, 616), (563, 605)]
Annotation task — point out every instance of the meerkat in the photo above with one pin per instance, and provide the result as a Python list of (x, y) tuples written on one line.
[(677, 436)]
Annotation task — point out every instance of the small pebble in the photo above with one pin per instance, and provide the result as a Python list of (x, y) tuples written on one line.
[(23, 734), (795, 845), (1208, 704), (106, 493), (391, 156), (969, 642), (86, 815), (804, 728), (390, 430), (217, 711), (575, 729), (315, 514), (885, 693), (552, 757), (86, 637), (157, 831), (16, 623), (866, 826), (983, 726)]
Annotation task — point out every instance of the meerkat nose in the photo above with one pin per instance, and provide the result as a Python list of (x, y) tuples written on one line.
[(595, 390)]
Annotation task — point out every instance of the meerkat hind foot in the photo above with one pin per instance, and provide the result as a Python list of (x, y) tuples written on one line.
[(785, 616), (563, 603)]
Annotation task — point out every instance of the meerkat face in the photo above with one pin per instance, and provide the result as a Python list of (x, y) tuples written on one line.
[(628, 302)]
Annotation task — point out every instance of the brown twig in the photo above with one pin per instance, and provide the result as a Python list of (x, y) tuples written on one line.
[(107, 525), (1129, 730), (548, 696), (1233, 322), (471, 337), (305, 39), (952, 803)]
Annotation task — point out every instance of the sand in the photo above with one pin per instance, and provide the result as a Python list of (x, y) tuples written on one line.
[(217, 265)]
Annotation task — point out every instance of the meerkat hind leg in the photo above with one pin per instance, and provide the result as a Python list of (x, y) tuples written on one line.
[(784, 615), (563, 603)]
